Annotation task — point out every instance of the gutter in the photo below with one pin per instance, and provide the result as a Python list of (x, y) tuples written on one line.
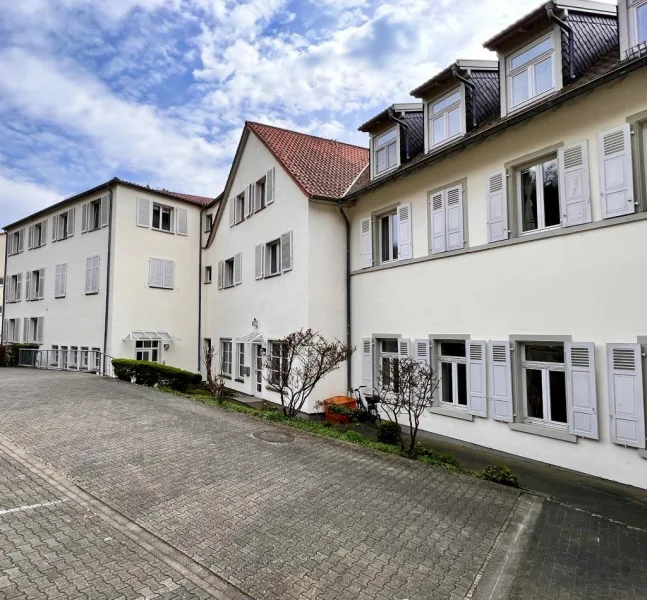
[(472, 87), (107, 309), (550, 11), (406, 132), (348, 298)]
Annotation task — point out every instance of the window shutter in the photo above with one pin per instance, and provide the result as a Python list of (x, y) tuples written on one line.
[(367, 364), (95, 274), (269, 186), (258, 260), (286, 252), (366, 243), (18, 296), (25, 330), (220, 269), (403, 348), (54, 228), (105, 210), (61, 230), (232, 211), (57, 281), (574, 184), (437, 216), (500, 381), (580, 389), (40, 332), (454, 218), (143, 212), (169, 274), (616, 173), (84, 217), (88, 275), (41, 281), (182, 221), (238, 268), (626, 402), (405, 250), (421, 351), (21, 240), (249, 200), (64, 279), (155, 272), (497, 208), (476, 379), (43, 233), (30, 237), (5, 332), (71, 218), (28, 286)]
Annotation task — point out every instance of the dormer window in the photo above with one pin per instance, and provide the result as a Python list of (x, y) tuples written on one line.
[(637, 22), (445, 118), (385, 151), (530, 72)]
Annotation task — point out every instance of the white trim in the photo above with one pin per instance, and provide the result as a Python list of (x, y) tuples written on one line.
[(444, 113), (374, 173)]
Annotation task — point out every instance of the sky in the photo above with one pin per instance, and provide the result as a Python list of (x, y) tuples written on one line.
[(157, 91)]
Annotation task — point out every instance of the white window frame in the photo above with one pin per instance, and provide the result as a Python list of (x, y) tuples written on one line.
[(454, 361), (226, 356), (228, 282), (545, 368), (529, 66), (268, 257), (375, 149), (92, 206), (444, 114), (11, 330), (208, 274), (147, 347), (632, 18), (163, 207), (394, 225), (541, 213), (260, 194), (276, 352), (74, 356), (240, 352), (12, 289), (13, 242), (96, 354), (391, 357), (83, 357), (239, 208)]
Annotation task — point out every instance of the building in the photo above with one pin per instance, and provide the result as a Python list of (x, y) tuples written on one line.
[(3, 247), (113, 270), (274, 260), (506, 245)]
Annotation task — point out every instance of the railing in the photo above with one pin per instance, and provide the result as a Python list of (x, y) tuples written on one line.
[(83, 361)]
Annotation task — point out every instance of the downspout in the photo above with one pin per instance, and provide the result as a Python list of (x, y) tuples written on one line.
[(472, 88), (202, 213), (550, 11), (105, 321), (406, 135), (348, 298), (4, 287)]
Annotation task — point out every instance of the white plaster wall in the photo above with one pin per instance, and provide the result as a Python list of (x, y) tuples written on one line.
[(3, 248), (587, 285), (136, 306)]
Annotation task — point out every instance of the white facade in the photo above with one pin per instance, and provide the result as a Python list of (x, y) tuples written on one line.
[(3, 245)]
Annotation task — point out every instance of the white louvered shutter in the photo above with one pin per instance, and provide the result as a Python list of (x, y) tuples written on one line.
[(421, 351), (500, 381), (25, 330), (258, 260), (21, 240), (232, 211), (437, 225), (84, 217), (476, 378), (95, 274), (30, 237), (28, 286), (286, 252), (16, 334), (248, 200), (143, 212), (182, 223), (269, 186), (169, 274), (626, 401), (18, 295), (41, 287), (497, 208), (581, 390), (64, 279), (404, 348), (5, 332), (40, 333), (367, 364), (92, 274), (155, 272), (220, 273), (43, 233), (57, 281), (238, 268), (405, 246), (54, 228), (105, 210), (71, 221), (454, 218), (366, 243), (616, 172), (574, 182), (88, 275)]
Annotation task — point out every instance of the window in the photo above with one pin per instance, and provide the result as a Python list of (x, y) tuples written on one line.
[(637, 22), (37, 235), (389, 365), (161, 273), (84, 357), (388, 237), (229, 273), (241, 361), (13, 330), (260, 197), (446, 219), (208, 223), (162, 217), (92, 275), (14, 288), (74, 356), (278, 363), (35, 285), (63, 225), (94, 215), (273, 258), (240, 208), (544, 384), (225, 357), (530, 73), (538, 192), (207, 274), (34, 332), (385, 154), (453, 373), (96, 358), (60, 282), (147, 350), (15, 242), (445, 118)]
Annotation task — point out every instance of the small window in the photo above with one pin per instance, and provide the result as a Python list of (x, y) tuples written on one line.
[(225, 357), (36, 285), (39, 234), (453, 374), (207, 274), (63, 226), (538, 192), (240, 208), (15, 242), (208, 223), (544, 384), (241, 361), (531, 72), (147, 350), (229, 273), (260, 197), (278, 363), (388, 237), (389, 365), (14, 283), (162, 217), (445, 118), (94, 215), (385, 151), (273, 258)]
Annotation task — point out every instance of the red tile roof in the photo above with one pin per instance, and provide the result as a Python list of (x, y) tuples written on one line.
[(319, 166), (201, 200)]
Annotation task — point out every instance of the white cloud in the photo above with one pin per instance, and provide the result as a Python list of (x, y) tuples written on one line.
[(21, 197)]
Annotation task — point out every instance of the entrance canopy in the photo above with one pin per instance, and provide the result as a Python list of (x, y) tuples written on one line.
[(252, 338), (164, 336)]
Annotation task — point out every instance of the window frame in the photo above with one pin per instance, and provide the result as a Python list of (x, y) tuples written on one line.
[(541, 212), (226, 357), (239, 204), (276, 243), (261, 193), (228, 282), (444, 113), (162, 208), (632, 25), (240, 353), (273, 374), (375, 149), (387, 355), (149, 347), (454, 361), (208, 274), (394, 226), (94, 206)]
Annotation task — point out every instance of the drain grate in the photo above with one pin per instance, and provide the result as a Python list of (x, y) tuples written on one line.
[(274, 437)]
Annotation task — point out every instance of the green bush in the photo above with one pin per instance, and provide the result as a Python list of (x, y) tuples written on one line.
[(500, 474), (151, 374), (388, 432), (355, 436), (9, 353)]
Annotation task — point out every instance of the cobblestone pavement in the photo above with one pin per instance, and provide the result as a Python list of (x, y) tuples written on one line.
[(309, 519)]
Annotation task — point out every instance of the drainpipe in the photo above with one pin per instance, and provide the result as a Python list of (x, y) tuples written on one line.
[(406, 135), (105, 322), (472, 88), (4, 287), (550, 11), (202, 214), (348, 297)]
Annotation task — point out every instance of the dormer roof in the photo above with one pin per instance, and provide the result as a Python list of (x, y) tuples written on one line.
[(385, 117), (447, 75)]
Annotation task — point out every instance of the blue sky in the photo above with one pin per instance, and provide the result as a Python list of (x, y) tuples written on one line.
[(157, 91)]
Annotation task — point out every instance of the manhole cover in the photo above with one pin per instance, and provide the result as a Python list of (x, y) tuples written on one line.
[(274, 437)]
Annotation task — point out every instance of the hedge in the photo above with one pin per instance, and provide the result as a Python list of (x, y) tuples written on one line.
[(9, 353), (151, 374)]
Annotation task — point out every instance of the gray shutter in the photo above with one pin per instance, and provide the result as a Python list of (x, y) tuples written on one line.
[(88, 275), (5, 332), (616, 172), (143, 212), (21, 239), (626, 401), (580, 389), (71, 219), (367, 364), (286, 252), (54, 228), (258, 260), (182, 221), (437, 225), (405, 247), (220, 269), (25, 330), (30, 237), (238, 268), (404, 348), (421, 350), (249, 201), (16, 333), (497, 207), (40, 332), (61, 231), (476, 378), (366, 243), (454, 218), (64, 279), (95, 274), (500, 381), (57, 281), (169, 274), (574, 184), (105, 210), (269, 186), (41, 290), (84, 217), (43, 233), (155, 276), (18, 296), (28, 286), (232, 211)]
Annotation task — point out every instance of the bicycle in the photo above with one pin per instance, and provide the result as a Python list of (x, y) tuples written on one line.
[(367, 405)]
